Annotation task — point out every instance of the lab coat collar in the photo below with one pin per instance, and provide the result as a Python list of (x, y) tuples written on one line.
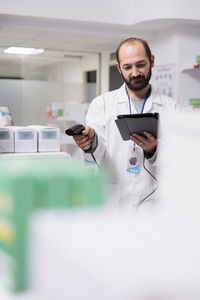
[(122, 98), (153, 99)]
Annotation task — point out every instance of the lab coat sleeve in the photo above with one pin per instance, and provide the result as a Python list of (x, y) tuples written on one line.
[(152, 159), (96, 119)]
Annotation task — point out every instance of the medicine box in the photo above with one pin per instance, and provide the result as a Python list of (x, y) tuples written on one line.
[(25, 139), (48, 138), (6, 140)]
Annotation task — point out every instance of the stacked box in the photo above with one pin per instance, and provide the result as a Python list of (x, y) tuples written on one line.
[(68, 184), (28, 185)]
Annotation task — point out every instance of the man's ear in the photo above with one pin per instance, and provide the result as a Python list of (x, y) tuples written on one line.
[(152, 61), (118, 67)]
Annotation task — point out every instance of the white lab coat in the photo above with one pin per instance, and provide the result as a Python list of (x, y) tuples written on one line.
[(113, 153)]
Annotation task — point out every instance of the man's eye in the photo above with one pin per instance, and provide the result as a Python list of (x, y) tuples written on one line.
[(127, 68), (141, 65)]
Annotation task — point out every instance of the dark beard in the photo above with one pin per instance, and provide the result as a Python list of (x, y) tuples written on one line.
[(138, 83)]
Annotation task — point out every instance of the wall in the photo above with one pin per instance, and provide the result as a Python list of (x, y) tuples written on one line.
[(37, 95), (165, 47), (68, 74), (117, 12), (180, 45), (61, 82), (105, 59), (11, 95)]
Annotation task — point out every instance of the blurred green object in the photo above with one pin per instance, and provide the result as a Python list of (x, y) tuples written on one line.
[(27, 185), (198, 59), (60, 112), (194, 101)]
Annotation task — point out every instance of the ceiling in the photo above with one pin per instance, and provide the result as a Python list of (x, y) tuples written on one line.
[(61, 40)]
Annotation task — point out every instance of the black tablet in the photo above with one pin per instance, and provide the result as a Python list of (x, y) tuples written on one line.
[(137, 123)]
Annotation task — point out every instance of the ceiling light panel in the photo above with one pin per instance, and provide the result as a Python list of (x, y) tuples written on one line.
[(22, 50)]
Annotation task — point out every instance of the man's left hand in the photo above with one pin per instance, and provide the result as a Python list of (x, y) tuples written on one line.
[(147, 143)]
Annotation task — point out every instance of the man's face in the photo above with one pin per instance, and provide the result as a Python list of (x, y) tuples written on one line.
[(135, 66)]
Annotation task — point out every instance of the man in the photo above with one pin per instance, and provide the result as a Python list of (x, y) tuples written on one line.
[(134, 183)]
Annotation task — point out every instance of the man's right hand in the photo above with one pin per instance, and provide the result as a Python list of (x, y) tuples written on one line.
[(85, 139)]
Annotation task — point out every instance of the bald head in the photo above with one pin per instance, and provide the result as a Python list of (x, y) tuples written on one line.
[(132, 42)]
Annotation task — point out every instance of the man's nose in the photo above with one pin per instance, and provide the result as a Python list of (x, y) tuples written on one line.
[(135, 72)]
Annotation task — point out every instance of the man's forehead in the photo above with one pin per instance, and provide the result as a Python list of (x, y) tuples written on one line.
[(132, 62), (132, 48)]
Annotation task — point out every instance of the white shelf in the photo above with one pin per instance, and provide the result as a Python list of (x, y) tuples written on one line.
[(6, 295), (69, 118), (65, 118), (36, 155), (190, 70), (65, 139)]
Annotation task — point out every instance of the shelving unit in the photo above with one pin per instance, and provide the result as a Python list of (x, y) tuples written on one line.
[(189, 85)]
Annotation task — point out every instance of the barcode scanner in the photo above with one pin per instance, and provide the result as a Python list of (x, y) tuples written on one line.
[(76, 130)]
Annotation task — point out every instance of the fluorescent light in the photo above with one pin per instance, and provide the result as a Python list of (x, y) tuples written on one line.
[(22, 50)]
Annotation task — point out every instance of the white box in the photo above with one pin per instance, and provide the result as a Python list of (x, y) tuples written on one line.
[(25, 139), (6, 140), (48, 138)]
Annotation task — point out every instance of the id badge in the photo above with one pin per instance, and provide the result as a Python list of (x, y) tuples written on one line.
[(134, 160)]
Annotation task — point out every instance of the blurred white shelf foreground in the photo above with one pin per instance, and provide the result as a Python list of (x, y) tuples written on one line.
[(36, 155)]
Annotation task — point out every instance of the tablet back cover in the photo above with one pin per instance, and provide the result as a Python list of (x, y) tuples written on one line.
[(123, 129), (129, 125)]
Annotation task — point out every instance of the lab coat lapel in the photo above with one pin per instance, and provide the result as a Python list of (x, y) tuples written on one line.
[(122, 96), (149, 102), (122, 101), (148, 105)]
